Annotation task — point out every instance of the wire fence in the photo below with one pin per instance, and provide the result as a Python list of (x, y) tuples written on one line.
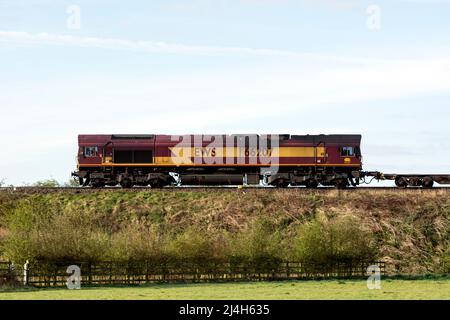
[(49, 274)]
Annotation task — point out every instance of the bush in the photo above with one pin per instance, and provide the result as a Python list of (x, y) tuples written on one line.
[(342, 239), (446, 262), (138, 242), (197, 246), (49, 183), (17, 244), (8, 280), (38, 230), (259, 244)]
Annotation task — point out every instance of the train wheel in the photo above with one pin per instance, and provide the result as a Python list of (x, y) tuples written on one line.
[(401, 182), (341, 183), (157, 184), (282, 183), (312, 184), (428, 183), (126, 183), (415, 182), (97, 184)]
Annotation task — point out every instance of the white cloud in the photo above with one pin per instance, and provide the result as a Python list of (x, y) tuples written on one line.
[(143, 46), (45, 39)]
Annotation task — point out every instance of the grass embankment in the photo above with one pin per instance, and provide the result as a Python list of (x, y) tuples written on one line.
[(304, 290), (410, 230)]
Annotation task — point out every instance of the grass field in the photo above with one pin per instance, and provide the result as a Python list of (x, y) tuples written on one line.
[(293, 290)]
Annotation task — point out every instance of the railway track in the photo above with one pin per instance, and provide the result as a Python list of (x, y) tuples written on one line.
[(45, 190)]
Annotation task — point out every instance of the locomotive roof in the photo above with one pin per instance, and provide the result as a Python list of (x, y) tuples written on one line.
[(334, 138)]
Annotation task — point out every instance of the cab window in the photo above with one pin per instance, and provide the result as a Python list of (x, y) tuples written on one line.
[(90, 152), (347, 151)]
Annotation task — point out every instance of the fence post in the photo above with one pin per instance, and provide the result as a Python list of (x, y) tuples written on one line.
[(25, 273), (146, 272), (90, 273), (55, 276), (288, 271)]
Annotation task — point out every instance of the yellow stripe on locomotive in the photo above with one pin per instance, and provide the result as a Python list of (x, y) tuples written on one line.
[(186, 155)]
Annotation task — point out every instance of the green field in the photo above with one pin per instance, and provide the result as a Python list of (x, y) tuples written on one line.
[(292, 290)]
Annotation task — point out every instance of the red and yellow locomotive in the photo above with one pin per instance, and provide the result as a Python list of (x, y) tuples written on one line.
[(161, 160)]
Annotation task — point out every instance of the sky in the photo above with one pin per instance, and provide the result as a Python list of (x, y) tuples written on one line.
[(376, 68)]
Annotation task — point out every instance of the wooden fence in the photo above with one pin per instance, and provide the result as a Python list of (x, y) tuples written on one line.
[(47, 274), (8, 274)]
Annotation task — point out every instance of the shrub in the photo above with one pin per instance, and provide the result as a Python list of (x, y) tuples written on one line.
[(446, 262), (138, 242), (260, 244), (341, 239), (40, 230), (17, 245), (8, 279), (49, 183), (196, 245)]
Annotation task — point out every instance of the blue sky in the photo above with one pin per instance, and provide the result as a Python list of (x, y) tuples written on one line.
[(379, 68)]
